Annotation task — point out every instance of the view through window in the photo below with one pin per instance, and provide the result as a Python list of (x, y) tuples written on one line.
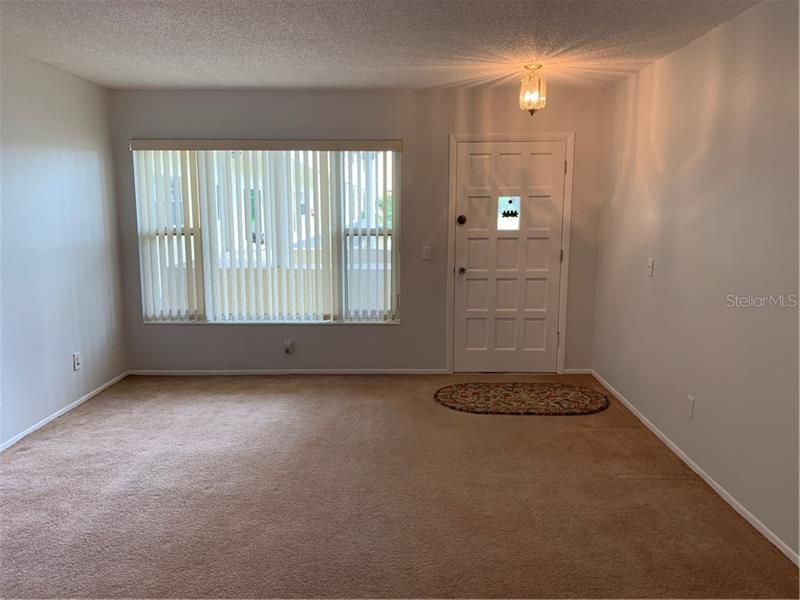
[(268, 235)]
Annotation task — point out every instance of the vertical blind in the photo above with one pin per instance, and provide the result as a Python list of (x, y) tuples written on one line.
[(268, 235)]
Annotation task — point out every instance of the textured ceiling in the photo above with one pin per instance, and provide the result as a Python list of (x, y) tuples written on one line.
[(351, 43)]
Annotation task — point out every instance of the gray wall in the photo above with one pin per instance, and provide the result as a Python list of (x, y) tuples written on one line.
[(60, 283), (423, 119), (704, 179)]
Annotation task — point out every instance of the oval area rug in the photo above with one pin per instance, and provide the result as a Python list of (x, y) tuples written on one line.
[(522, 398)]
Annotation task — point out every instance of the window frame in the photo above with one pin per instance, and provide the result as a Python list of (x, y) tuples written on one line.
[(196, 234)]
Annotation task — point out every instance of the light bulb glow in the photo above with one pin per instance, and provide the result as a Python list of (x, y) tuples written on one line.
[(532, 91)]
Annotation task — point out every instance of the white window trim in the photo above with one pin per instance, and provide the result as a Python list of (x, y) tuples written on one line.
[(261, 144), (394, 145)]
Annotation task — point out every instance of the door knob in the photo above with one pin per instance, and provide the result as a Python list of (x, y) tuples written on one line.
[(461, 219), (461, 270)]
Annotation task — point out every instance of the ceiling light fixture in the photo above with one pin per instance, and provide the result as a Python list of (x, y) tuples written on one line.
[(532, 90)]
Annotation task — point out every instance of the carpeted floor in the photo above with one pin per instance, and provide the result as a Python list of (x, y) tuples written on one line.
[(337, 486)]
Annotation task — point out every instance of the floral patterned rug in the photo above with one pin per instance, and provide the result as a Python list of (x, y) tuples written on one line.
[(522, 398)]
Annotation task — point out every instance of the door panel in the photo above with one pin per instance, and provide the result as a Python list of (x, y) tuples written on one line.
[(506, 300)]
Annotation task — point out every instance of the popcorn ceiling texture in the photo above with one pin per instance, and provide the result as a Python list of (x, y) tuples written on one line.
[(352, 43)]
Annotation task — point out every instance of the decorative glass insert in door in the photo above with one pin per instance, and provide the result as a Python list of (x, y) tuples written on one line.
[(508, 213)]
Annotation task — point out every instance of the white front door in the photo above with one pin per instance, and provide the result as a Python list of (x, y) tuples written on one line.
[(510, 197)]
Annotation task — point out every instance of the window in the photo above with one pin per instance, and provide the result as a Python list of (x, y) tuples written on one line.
[(268, 235), (508, 213)]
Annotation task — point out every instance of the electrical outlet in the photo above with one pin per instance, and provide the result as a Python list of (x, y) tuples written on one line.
[(288, 347), (76, 361), (650, 265), (690, 406)]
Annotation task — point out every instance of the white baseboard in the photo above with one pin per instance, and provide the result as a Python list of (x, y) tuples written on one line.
[(207, 372), (10, 442), (578, 372), (737, 506)]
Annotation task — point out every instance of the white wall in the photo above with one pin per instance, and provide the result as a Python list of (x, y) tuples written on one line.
[(60, 283), (700, 154), (704, 179), (423, 119)]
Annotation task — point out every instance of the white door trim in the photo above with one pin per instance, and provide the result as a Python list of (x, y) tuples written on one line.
[(569, 138)]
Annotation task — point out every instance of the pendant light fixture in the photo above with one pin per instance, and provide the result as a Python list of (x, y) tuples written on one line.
[(532, 90)]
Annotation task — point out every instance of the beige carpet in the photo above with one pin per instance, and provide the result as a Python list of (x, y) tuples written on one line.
[(361, 486)]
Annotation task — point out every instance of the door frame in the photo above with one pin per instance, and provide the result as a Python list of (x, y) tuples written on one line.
[(566, 227)]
